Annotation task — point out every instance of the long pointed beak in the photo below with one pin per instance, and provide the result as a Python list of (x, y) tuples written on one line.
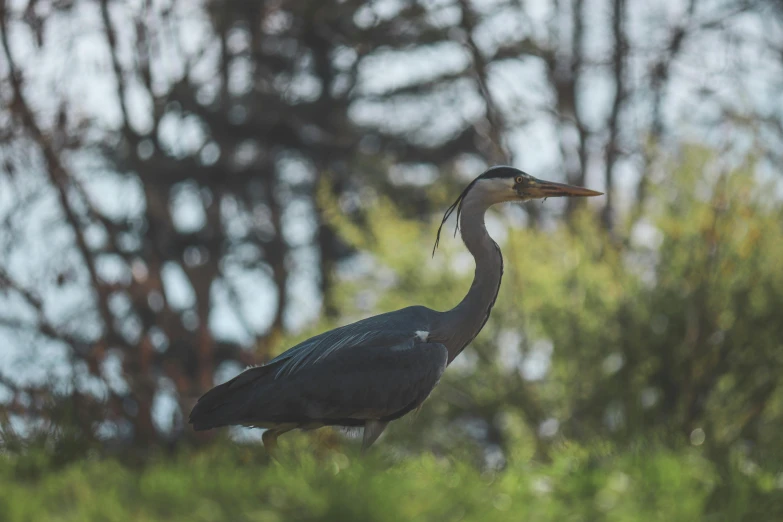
[(550, 189)]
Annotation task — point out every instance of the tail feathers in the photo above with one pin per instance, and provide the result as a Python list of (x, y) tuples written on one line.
[(226, 404)]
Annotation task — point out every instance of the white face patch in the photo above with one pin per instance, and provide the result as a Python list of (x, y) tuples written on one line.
[(422, 335), (501, 183), (498, 189)]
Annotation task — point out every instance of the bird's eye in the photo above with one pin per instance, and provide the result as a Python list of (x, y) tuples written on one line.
[(519, 179)]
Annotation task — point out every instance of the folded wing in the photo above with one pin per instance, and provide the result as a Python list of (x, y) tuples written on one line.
[(344, 377)]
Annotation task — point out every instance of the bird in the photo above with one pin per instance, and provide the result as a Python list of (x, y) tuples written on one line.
[(373, 371)]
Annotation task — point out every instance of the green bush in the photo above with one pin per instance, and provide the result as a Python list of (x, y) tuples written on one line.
[(239, 483), (668, 329)]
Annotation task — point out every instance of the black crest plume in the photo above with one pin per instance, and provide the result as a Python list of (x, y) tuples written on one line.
[(457, 205)]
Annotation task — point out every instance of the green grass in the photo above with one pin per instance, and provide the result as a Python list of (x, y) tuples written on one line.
[(239, 483)]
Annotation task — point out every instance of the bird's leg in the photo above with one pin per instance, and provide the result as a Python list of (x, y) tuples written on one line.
[(269, 438), (372, 430)]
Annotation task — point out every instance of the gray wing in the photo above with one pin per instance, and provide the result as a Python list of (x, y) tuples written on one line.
[(350, 386), (342, 377), (381, 330)]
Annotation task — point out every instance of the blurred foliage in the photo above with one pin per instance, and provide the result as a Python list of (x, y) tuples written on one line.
[(632, 375), (239, 483), (160, 227), (668, 329)]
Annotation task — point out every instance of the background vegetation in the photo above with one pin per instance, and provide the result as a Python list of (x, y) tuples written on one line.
[(238, 483), (189, 188)]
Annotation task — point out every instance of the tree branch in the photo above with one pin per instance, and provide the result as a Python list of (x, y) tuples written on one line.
[(618, 70), (58, 175), (498, 152)]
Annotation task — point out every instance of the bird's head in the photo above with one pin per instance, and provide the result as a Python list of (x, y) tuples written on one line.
[(501, 184)]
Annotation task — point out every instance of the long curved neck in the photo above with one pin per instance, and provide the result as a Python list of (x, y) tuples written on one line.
[(460, 325)]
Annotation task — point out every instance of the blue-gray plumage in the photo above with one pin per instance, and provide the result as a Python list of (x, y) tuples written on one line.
[(378, 369)]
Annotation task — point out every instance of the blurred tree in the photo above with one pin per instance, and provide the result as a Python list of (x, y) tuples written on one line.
[(220, 150), (160, 225)]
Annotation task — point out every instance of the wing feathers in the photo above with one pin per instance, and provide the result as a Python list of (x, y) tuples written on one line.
[(223, 404), (320, 347), (375, 369)]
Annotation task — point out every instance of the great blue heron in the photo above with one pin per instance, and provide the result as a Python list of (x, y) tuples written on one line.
[(378, 369)]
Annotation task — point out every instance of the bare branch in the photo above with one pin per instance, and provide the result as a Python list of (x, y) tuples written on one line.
[(493, 133), (59, 177), (660, 80), (618, 72), (111, 39)]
